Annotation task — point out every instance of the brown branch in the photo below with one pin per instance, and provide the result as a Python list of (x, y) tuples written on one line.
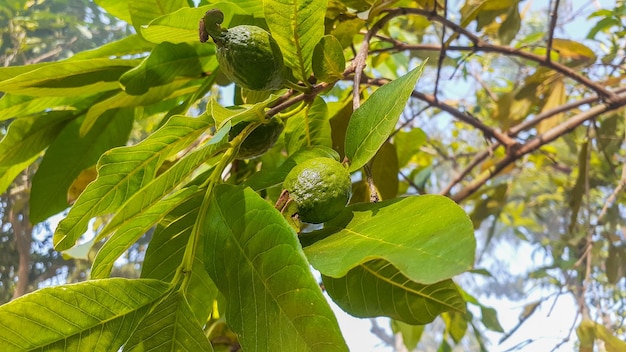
[(515, 130), (481, 45), (539, 141), (553, 20)]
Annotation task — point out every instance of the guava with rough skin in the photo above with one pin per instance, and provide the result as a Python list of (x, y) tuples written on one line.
[(321, 188), (260, 140), (248, 55)]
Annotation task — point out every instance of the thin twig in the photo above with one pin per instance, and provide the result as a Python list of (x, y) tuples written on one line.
[(553, 20)]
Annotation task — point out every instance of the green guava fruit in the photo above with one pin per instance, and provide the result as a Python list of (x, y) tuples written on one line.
[(260, 140), (248, 55), (321, 188)]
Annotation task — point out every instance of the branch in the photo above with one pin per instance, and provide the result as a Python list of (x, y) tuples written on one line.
[(539, 141), (553, 19), (481, 45), (515, 130)]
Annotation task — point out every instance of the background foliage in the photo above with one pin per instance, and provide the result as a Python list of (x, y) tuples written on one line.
[(518, 116)]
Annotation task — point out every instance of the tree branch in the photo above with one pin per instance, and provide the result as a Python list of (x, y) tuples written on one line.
[(481, 45), (537, 142), (553, 19)]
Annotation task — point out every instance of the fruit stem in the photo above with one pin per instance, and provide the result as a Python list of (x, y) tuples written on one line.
[(210, 26)]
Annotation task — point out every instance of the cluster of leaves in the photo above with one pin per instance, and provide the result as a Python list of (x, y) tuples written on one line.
[(222, 257), (219, 247)]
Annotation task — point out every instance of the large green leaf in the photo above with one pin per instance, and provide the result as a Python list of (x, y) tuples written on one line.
[(308, 128), (182, 25), (150, 204), (129, 232), (167, 62), (427, 238), (155, 95), (374, 121), (144, 11), (171, 326), (117, 8), (51, 182), (97, 315), (123, 171), (130, 45), (165, 254), (377, 288), (69, 77), (297, 26), (255, 260), (19, 106), (28, 136)]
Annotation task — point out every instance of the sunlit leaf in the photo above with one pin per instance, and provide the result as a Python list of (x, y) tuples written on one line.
[(308, 128), (372, 123), (51, 182), (328, 60), (123, 171), (96, 315), (273, 301), (427, 238), (297, 26), (170, 326)]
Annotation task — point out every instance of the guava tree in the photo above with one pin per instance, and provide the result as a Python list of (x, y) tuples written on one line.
[(228, 263)]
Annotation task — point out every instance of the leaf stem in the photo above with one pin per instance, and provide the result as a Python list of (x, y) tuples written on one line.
[(185, 268)]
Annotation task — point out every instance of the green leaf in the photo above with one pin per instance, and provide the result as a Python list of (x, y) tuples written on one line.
[(166, 62), (255, 260), (69, 77), (130, 45), (574, 51), (155, 95), (241, 113), (182, 25), (374, 121), (427, 238), (19, 106), (97, 315), (408, 143), (130, 231), (171, 326), (411, 334), (297, 26), (28, 136), (9, 173), (123, 171), (144, 11), (385, 171), (165, 254), (377, 288), (151, 203), (510, 26), (51, 182), (308, 128), (490, 319), (117, 8), (328, 60)]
